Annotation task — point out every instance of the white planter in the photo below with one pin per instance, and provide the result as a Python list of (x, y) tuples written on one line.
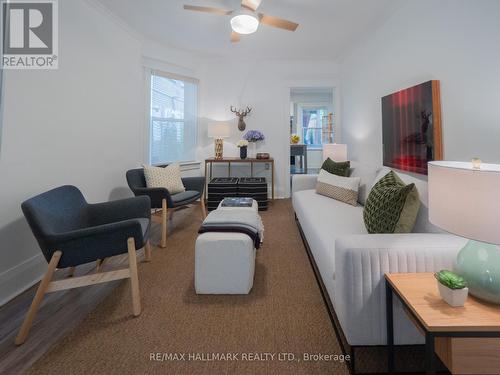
[(453, 297)]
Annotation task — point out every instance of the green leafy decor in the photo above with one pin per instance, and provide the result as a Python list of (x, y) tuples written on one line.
[(450, 279)]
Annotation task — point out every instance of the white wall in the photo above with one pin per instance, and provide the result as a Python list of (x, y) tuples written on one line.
[(171, 60), (454, 41), (265, 86), (83, 124), (80, 124)]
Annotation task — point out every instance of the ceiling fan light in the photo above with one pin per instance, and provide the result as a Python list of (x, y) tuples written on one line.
[(244, 24)]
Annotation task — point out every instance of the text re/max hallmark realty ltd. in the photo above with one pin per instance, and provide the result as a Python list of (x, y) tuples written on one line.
[(250, 357)]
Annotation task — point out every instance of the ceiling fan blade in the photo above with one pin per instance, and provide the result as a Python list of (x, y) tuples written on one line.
[(219, 11), (277, 22), (235, 37), (251, 4)]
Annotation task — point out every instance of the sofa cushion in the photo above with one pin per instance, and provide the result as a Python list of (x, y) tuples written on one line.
[(367, 174), (381, 172), (323, 220), (392, 206), (344, 189), (422, 223), (185, 197), (338, 168)]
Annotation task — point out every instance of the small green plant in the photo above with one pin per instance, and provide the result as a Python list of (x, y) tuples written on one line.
[(450, 279)]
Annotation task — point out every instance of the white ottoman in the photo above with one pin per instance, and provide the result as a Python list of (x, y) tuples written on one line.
[(255, 207), (224, 263)]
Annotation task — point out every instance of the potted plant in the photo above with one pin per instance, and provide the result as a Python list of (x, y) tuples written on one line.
[(452, 288), (243, 145), (295, 139), (253, 136)]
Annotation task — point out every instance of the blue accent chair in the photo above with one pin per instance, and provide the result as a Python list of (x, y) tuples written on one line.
[(71, 232), (162, 199)]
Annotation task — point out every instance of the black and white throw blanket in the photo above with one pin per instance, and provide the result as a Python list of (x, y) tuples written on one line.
[(235, 220)]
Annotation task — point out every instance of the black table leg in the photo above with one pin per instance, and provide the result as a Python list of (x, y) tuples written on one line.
[(430, 361), (304, 169), (390, 329)]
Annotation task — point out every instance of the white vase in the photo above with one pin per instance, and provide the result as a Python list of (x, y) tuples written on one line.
[(453, 297)]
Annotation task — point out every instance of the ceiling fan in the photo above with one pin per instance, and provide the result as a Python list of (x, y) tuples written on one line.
[(246, 20)]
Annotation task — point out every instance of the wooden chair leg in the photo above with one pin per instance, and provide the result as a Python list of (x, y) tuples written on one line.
[(203, 209), (147, 251), (134, 279), (37, 300), (164, 217)]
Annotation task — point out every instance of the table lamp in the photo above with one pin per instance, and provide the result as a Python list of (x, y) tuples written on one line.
[(463, 199), (219, 131), (335, 151)]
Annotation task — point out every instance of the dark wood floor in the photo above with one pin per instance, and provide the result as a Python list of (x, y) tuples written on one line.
[(59, 313)]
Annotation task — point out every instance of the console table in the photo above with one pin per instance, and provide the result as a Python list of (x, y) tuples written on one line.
[(210, 161), (466, 339)]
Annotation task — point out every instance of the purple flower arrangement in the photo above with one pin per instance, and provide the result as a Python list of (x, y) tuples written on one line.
[(253, 136)]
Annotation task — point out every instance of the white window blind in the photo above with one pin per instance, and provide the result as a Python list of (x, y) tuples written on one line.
[(173, 121)]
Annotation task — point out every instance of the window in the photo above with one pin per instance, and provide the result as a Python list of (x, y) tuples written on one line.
[(173, 122), (317, 127)]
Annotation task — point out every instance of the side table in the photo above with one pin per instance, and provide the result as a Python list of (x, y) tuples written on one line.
[(466, 339)]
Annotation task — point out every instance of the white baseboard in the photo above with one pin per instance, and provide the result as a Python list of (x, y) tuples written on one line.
[(23, 276)]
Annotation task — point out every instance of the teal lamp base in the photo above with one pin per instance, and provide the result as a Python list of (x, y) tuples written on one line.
[(479, 264)]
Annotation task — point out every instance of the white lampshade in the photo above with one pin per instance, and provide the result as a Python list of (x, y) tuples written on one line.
[(219, 130), (465, 200), (335, 151)]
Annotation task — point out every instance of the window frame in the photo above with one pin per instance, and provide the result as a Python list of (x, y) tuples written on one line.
[(149, 73), (306, 105)]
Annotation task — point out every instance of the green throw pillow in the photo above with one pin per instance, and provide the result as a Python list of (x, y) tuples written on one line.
[(392, 206), (339, 168)]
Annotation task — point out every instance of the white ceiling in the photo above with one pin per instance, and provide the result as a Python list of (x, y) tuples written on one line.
[(326, 28)]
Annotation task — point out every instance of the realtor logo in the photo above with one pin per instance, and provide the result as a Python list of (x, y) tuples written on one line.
[(29, 34)]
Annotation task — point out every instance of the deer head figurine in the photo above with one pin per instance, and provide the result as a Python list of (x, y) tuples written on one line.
[(241, 114)]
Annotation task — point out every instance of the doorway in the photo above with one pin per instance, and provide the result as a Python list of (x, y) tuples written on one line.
[(311, 126)]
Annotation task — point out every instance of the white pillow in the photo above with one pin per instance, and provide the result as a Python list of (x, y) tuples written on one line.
[(344, 189), (168, 177)]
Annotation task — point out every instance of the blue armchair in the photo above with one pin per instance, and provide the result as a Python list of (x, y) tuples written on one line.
[(71, 232), (162, 199)]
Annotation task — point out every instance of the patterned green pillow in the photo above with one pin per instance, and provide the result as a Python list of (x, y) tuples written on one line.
[(338, 168), (392, 206)]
